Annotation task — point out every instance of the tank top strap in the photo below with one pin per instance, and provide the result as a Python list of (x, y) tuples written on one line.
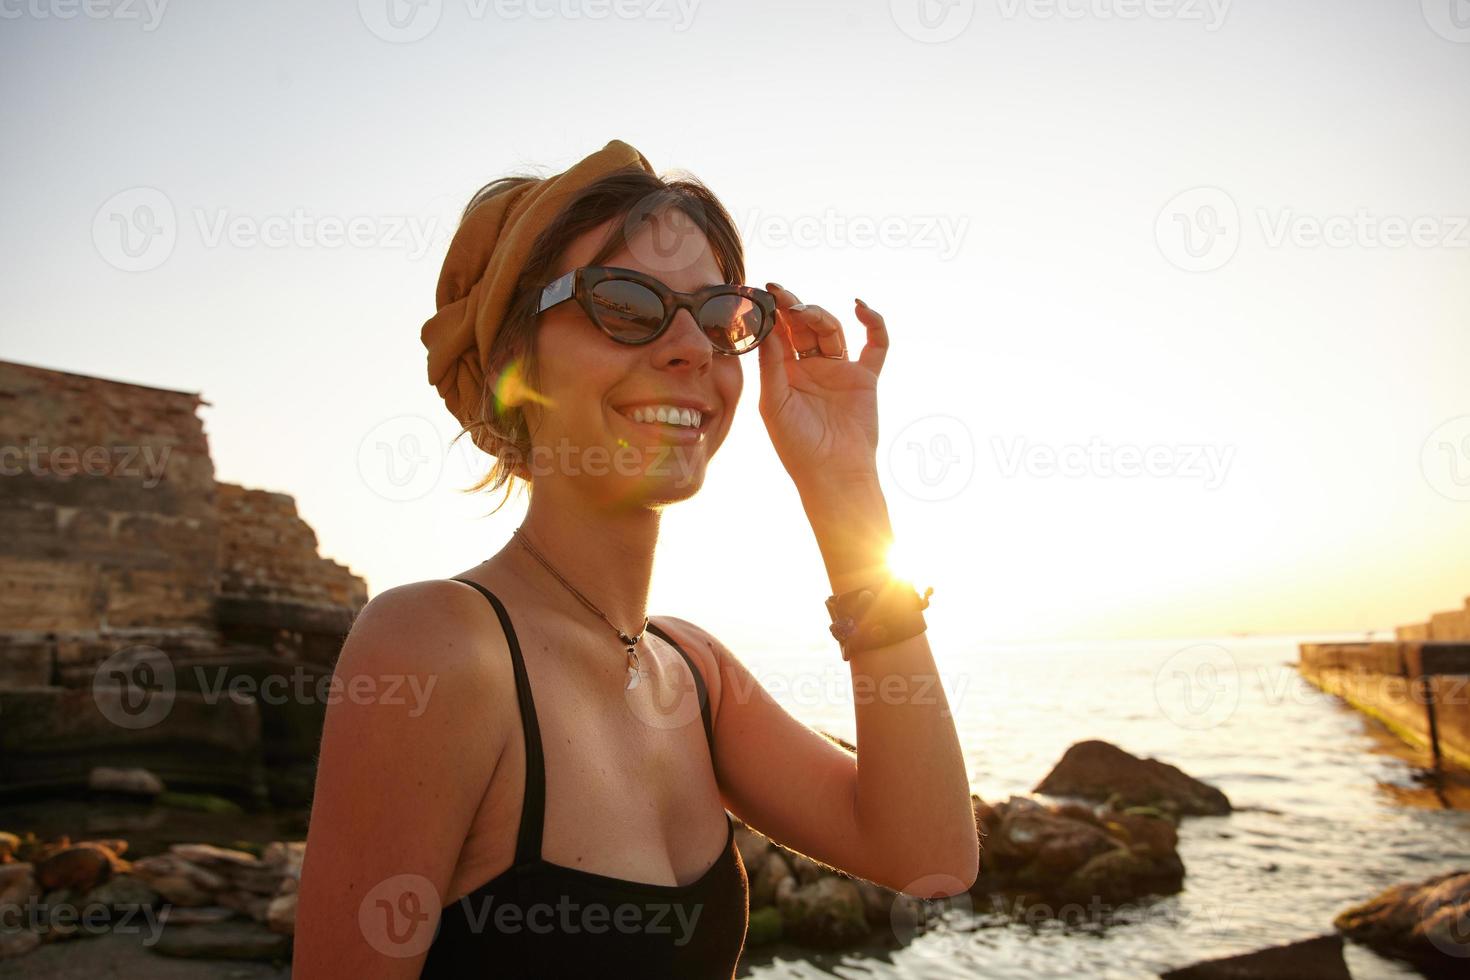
[(699, 687), (533, 805)]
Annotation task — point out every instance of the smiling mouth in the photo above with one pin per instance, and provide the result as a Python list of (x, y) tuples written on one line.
[(668, 417)]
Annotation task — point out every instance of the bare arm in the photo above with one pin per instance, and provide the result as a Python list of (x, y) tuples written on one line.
[(410, 739), (898, 813)]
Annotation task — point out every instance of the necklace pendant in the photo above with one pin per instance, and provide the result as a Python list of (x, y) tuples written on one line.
[(635, 676)]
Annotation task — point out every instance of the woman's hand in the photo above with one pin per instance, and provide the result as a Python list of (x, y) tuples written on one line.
[(821, 413)]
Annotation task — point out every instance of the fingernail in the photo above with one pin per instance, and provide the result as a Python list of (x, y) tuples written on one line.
[(798, 307), (773, 285), (861, 303)]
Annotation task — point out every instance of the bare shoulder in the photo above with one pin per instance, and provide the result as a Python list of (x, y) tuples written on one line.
[(436, 613), (438, 629)]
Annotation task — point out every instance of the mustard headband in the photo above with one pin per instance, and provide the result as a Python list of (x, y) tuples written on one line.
[(485, 259)]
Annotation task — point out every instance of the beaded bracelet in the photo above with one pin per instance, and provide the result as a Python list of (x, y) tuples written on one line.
[(878, 616)]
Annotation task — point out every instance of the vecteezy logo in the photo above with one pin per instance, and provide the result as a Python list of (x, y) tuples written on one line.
[(1450, 19), (1198, 687), (400, 916), (1445, 459), (135, 688), (135, 230), (933, 458), (400, 21), (661, 237), (401, 459), (1445, 916), (932, 21), (908, 917), (1199, 230), (670, 701)]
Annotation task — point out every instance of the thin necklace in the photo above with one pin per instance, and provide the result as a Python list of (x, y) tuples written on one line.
[(634, 674)]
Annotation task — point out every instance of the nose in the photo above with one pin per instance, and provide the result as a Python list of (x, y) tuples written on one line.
[(684, 343)]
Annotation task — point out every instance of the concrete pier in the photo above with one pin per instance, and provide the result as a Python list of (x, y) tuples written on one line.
[(1419, 689)]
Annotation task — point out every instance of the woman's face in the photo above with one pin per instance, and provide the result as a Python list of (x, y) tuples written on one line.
[(585, 431)]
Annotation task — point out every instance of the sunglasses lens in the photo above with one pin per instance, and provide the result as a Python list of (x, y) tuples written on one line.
[(629, 311), (732, 322)]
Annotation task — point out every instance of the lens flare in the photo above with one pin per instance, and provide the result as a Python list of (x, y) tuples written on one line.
[(510, 388)]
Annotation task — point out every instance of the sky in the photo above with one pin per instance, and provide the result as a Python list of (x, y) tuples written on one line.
[(1178, 290)]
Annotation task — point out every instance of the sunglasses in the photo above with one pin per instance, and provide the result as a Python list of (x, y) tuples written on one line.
[(634, 308)]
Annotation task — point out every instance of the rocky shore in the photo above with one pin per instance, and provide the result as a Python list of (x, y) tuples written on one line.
[(1104, 838), (1063, 859)]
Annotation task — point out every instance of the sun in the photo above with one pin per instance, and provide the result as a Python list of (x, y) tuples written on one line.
[(904, 564)]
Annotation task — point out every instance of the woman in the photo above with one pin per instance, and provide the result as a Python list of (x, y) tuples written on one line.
[(556, 804)]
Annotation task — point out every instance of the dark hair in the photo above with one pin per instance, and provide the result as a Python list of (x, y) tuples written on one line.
[(630, 194)]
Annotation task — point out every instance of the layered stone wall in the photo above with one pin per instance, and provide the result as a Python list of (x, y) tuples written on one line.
[(117, 547), (275, 591), (108, 521)]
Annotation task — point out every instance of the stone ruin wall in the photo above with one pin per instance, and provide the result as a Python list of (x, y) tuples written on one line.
[(113, 532)]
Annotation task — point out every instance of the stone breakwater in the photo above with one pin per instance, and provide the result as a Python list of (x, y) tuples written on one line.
[(1419, 690), (1418, 685)]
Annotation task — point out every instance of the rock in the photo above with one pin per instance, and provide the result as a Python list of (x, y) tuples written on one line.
[(1051, 845), (178, 881), (116, 845), (17, 942), (280, 915), (199, 915), (258, 881), (53, 736), (201, 802), (215, 858), (233, 940), (1068, 853), (766, 879), (1097, 770), (889, 910), (753, 847), (134, 782), (124, 892), (17, 884), (804, 868), (1423, 921), (285, 856), (827, 913), (1078, 812), (1025, 832), (247, 904), (765, 926), (1310, 959), (82, 866), (986, 819), (1114, 878), (785, 890), (1155, 837), (59, 915)]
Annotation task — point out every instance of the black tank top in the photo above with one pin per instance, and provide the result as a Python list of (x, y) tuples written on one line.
[(538, 919)]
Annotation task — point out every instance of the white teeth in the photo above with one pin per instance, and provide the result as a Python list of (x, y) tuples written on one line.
[(668, 414)]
